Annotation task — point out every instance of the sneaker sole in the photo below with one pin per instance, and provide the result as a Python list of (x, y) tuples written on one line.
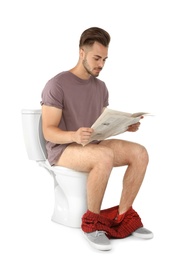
[(143, 236), (99, 247)]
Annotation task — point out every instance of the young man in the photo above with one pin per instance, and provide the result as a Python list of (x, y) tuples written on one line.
[(71, 102)]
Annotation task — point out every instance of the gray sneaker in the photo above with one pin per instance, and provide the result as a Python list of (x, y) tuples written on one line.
[(143, 233), (98, 240)]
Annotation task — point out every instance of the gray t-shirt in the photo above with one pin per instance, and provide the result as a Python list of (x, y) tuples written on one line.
[(81, 102)]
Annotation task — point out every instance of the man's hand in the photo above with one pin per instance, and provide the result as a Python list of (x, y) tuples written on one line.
[(134, 127), (82, 135)]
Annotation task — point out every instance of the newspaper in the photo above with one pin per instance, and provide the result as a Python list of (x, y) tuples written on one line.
[(113, 122)]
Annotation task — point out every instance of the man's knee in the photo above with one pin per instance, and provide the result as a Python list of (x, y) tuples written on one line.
[(142, 153)]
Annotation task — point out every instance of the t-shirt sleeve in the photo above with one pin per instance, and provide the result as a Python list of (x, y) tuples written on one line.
[(52, 95)]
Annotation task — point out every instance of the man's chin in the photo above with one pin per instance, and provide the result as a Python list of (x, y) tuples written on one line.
[(96, 74)]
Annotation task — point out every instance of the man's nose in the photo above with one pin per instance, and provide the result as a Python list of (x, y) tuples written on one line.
[(101, 64)]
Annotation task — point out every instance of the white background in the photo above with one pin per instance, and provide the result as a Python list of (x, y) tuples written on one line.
[(147, 70)]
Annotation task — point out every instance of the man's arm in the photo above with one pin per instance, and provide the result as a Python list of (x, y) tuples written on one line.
[(51, 117)]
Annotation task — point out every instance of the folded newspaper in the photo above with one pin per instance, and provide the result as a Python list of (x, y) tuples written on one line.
[(113, 122)]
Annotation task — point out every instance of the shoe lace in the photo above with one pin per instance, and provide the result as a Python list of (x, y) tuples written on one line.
[(99, 233)]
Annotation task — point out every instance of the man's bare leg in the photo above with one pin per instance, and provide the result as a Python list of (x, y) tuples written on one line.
[(135, 157), (98, 162)]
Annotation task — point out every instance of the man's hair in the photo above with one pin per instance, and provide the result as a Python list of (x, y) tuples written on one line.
[(94, 34)]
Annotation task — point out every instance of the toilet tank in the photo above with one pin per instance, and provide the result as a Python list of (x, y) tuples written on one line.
[(33, 136)]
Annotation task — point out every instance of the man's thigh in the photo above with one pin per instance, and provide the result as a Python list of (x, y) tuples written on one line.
[(123, 150), (81, 158)]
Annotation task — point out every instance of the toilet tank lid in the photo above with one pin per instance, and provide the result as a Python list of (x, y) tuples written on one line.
[(31, 111)]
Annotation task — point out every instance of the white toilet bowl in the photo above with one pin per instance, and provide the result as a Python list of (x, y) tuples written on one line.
[(69, 185)]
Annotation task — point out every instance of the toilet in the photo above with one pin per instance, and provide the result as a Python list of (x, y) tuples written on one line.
[(69, 185)]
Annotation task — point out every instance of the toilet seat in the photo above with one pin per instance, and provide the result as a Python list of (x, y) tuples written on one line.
[(60, 169)]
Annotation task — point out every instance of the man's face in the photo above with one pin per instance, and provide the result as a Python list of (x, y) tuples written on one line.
[(94, 58)]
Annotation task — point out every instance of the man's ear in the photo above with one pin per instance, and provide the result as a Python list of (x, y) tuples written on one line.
[(81, 53)]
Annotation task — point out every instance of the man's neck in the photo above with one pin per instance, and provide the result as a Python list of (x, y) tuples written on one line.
[(80, 72)]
